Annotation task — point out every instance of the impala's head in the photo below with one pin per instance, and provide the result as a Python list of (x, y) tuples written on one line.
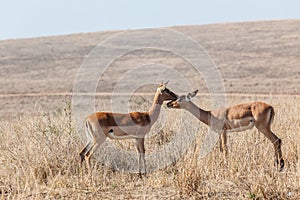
[(165, 94), (182, 100)]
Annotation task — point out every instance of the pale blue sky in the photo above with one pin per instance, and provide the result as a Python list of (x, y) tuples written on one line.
[(32, 18)]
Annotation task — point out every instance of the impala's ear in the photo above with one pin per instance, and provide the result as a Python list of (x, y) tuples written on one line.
[(194, 93), (190, 95), (166, 83), (161, 88)]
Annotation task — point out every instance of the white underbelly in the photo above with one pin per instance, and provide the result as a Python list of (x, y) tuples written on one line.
[(127, 132), (237, 125)]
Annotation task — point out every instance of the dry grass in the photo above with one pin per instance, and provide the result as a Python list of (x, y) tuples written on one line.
[(39, 159)]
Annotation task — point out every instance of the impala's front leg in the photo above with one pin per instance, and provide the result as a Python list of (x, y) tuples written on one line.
[(223, 143), (141, 151)]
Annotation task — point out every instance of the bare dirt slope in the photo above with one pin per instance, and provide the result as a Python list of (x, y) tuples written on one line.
[(264, 53), (252, 57)]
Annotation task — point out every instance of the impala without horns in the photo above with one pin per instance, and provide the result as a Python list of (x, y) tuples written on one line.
[(234, 119), (101, 125)]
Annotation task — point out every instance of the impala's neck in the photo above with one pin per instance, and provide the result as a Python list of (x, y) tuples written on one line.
[(202, 115), (155, 108)]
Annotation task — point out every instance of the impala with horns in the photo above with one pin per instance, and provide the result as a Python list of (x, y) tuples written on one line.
[(234, 119), (101, 125)]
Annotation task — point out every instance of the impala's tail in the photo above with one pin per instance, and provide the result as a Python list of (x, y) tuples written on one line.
[(88, 130), (272, 114)]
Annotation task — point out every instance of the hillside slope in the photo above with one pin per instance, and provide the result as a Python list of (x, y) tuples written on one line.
[(252, 57)]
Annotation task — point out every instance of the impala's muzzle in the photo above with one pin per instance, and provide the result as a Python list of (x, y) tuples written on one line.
[(170, 103), (172, 94)]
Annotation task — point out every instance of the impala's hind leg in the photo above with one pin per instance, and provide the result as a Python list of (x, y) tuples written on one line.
[(84, 151), (90, 153), (97, 137), (277, 145), (97, 142)]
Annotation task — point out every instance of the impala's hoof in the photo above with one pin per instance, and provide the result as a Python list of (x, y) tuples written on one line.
[(281, 165), (141, 175)]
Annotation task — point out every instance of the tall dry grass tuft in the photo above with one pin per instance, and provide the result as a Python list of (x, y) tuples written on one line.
[(189, 179), (37, 150)]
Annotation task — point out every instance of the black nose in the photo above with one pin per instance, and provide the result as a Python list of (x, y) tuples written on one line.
[(169, 104)]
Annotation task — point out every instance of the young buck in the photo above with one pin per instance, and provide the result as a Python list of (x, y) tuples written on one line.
[(101, 125), (234, 119)]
